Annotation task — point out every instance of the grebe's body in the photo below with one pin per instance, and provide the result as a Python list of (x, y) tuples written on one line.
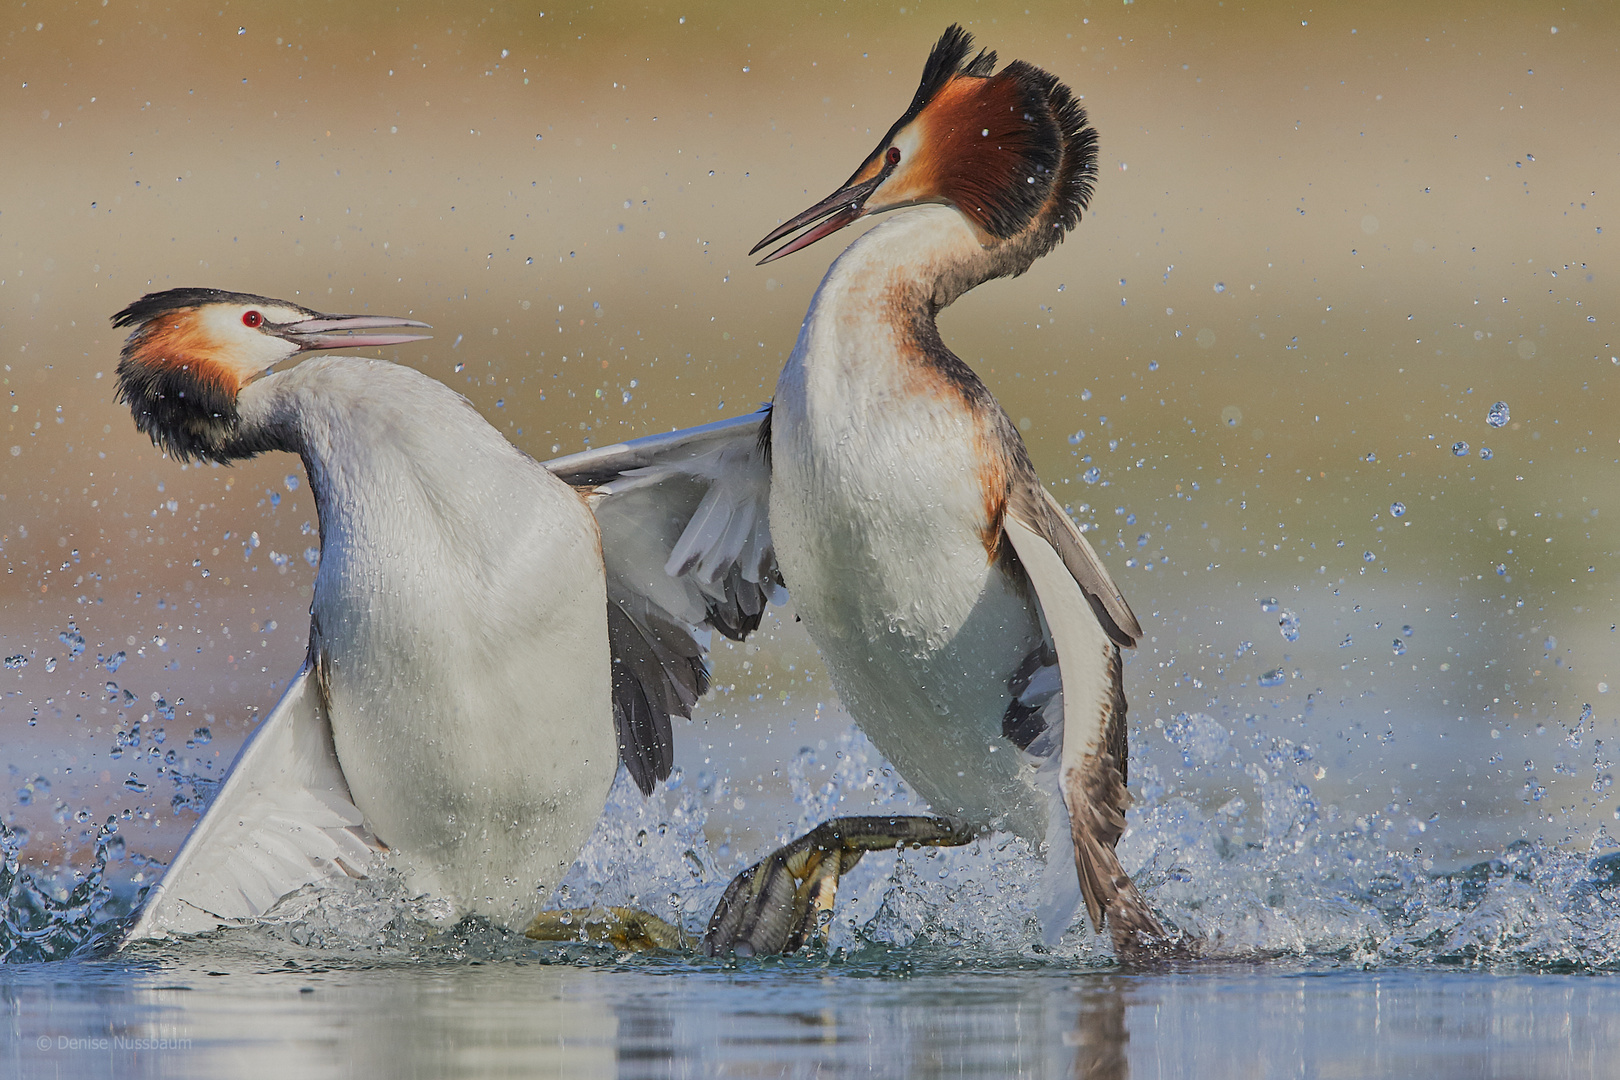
[(969, 627), (458, 704), (879, 513)]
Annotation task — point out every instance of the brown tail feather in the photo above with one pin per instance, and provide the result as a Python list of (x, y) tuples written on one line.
[(1097, 801)]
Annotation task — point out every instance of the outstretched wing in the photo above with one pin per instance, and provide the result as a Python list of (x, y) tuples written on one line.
[(282, 819), (686, 541), (1087, 618)]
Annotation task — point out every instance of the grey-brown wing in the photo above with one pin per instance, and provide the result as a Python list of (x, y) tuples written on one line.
[(1035, 506), (1091, 754), (686, 541)]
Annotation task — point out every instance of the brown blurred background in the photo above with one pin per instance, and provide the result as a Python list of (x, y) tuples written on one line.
[(1324, 241)]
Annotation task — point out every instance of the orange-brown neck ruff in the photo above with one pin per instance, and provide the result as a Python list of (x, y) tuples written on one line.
[(181, 396)]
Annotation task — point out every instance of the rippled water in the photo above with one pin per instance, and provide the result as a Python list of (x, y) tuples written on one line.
[(1318, 952), (245, 1012)]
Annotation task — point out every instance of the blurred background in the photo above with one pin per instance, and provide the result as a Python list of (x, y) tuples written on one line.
[(1264, 371)]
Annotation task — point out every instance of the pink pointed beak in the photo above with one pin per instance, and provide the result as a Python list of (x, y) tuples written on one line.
[(340, 332)]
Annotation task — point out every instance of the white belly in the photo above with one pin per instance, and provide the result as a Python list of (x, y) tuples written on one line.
[(875, 515), (470, 695)]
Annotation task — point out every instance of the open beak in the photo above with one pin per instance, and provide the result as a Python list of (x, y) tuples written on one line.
[(341, 332), (843, 207)]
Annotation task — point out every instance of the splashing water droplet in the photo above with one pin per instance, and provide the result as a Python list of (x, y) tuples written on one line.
[(1274, 677), (1269, 604), (1485, 453), (1288, 626), (1498, 416), (1399, 646), (1367, 556), (1396, 509), (1091, 475), (1244, 647), (1460, 449), (1406, 631)]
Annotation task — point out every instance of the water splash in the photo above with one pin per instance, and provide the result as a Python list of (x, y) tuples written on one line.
[(1254, 865), (650, 853), (52, 920), (1292, 877)]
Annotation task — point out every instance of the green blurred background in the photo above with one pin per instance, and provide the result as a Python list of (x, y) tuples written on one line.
[(1325, 240)]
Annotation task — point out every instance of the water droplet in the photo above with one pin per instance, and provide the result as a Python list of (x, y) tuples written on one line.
[(1367, 556), (1397, 509), (1274, 677), (1550, 644), (1460, 449), (1399, 646), (1269, 604), (1085, 395), (1485, 453), (1406, 631), (1244, 647), (1220, 286), (1074, 440), (16, 663), (1288, 626), (1498, 416), (1091, 475), (1501, 570), (1346, 643)]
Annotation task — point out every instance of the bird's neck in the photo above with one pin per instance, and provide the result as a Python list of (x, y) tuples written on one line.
[(381, 443), (919, 258), (871, 328)]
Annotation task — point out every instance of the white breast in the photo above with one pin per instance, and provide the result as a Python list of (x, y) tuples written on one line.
[(460, 616)]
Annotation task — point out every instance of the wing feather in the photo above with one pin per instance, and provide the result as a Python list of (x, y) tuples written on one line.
[(282, 819), (1035, 506), (686, 541), (1091, 777)]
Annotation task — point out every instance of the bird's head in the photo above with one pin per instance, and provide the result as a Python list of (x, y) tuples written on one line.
[(191, 351), (1010, 150)]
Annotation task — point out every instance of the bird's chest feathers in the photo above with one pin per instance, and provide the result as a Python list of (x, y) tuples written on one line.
[(886, 492)]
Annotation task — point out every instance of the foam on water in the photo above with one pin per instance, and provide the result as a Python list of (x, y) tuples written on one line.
[(1268, 873)]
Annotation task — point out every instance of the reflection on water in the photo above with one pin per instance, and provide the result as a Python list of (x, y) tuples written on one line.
[(245, 1015)]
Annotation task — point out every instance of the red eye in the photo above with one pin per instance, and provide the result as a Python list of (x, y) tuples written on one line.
[(252, 318), (893, 156)]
